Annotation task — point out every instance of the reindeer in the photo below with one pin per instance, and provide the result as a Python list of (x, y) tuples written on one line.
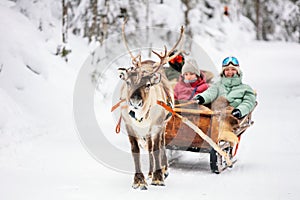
[(144, 84)]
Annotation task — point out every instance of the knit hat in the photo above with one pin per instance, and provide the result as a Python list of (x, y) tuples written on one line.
[(190, 66), (231, 60), (177, 62)]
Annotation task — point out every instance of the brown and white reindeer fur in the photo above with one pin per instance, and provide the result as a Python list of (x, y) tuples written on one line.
[(145, 123), (144, 84), (227, 122)]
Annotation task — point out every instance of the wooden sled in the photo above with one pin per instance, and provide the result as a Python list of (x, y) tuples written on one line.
[(180, 136)]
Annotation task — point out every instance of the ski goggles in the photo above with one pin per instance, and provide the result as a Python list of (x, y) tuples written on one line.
[(229, 60)]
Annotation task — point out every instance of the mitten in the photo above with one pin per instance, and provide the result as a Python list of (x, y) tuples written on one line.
[(237, 113), (200, 100)]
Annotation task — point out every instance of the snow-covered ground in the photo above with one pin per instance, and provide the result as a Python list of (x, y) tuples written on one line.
[(41, 156)]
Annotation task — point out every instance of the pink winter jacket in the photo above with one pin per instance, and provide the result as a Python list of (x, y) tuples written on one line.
[(184, 91)]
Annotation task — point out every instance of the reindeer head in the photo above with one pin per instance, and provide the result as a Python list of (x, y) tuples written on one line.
[(143, 77), (138, 83)]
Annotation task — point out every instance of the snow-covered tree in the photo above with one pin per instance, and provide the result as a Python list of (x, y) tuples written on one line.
[(274, 19)]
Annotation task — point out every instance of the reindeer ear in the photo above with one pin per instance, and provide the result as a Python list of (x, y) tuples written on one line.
[(123, 73), (155, 78)]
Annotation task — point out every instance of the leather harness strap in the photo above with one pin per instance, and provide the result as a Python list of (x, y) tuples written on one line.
[(118, 127), (165, 106), (117, 105)]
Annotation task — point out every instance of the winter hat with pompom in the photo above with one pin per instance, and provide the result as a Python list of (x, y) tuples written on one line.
[(191, 66)]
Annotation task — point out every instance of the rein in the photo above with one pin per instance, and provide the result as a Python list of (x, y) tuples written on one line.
[(117, 105), (118, 127)]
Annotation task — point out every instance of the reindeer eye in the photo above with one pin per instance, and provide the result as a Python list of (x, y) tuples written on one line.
[(148, 85), (140, 104)]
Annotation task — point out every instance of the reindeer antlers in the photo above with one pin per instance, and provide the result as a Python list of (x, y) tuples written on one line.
[(179, 40), (135, 62), (165, 58)]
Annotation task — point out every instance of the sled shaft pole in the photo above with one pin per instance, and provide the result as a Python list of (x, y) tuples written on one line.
[(185, 104), (206, 138)]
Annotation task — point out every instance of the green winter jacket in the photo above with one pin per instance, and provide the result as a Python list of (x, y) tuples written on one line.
[(239, 95)]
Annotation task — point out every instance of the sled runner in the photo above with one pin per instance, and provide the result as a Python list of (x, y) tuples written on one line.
[(197, 128)]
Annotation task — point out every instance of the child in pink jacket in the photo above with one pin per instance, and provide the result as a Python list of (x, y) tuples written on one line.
[(191, 82)]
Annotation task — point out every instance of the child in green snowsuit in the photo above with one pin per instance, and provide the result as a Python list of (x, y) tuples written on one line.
[(241, 96)]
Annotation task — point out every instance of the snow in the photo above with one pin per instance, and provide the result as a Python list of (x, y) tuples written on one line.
[(43, 157)]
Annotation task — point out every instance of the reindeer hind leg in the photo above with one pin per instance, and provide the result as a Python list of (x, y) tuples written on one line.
[(164, 159), (151, 158)]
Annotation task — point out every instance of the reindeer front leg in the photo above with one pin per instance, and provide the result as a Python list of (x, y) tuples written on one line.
[(139, 179), (158, 178)]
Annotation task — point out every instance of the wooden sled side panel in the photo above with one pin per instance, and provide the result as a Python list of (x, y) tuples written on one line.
[(179, 135)]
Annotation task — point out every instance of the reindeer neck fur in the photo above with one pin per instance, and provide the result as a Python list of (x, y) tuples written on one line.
[(149, 113)]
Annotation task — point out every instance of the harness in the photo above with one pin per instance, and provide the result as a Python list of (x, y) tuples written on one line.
[(167, 106), (132, 114), (118, 127)]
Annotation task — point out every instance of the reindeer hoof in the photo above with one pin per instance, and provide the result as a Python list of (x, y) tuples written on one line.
[(166, 174), (139, 185), (139, 181), (158, 183), (144, 187)]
